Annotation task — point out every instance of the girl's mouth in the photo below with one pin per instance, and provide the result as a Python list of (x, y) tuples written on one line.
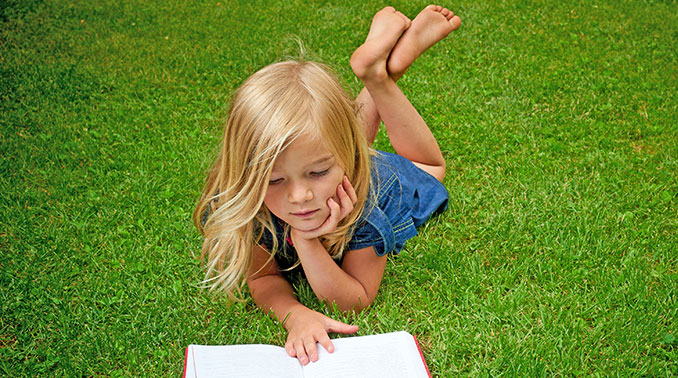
[(305, 213)]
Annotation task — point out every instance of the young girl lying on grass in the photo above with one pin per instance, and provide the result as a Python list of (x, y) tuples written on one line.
[(296, 181)]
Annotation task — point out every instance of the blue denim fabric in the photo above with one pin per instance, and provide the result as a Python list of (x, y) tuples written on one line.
[(404, 198)]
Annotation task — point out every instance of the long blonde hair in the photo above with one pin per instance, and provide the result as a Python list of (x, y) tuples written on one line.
[(271, 109)]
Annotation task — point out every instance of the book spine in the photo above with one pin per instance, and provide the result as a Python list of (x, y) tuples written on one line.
[(421, 354)]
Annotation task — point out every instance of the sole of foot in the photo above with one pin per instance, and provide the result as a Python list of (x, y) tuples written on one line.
[(430, 26)]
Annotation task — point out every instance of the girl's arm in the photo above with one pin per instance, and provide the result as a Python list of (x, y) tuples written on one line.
[(275, 296), (353, 286)]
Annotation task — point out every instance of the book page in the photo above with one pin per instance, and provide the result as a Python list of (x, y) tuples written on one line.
[(388, 355), (256, 360)]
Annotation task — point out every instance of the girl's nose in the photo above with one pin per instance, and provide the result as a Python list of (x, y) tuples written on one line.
[(299, 192)]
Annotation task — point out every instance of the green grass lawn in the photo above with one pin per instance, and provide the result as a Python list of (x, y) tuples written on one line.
[(558, 121)]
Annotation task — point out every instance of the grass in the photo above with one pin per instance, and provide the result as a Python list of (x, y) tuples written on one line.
[(558, 120)]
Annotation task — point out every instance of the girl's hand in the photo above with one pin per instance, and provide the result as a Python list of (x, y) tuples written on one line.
[(338, 211), (309, 327)]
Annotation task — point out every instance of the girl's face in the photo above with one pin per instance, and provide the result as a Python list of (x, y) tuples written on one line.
[(305, 175)]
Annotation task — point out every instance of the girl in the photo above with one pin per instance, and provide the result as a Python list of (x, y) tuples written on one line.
[(296, 182)]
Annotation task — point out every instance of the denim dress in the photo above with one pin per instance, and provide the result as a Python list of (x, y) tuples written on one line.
[(404, 198)]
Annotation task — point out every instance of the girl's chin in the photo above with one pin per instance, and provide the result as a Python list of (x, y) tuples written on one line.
[(308, 225), (305, 227)]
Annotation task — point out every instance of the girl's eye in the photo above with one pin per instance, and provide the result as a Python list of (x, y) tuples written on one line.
[(273, 182), (320, 173)]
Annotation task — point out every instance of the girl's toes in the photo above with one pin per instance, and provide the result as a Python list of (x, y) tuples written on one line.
[(455, 22), (403, 16)]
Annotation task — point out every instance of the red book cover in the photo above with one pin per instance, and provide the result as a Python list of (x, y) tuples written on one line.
[(422, 355), (186, 362)]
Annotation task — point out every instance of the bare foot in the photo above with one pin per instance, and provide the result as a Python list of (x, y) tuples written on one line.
[(369, 60), (430, 26)]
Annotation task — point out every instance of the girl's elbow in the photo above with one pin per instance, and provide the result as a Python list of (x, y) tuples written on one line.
[(356, 302), (360, 307), (356, 306)]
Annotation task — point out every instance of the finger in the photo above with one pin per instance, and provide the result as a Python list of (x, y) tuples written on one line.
[(301, 352), (345, 203), (339, 327), (325, 341), (289, 347), (311, 349), (350, 190), (335, 212)]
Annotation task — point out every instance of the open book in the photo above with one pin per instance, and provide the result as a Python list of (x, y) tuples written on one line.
[(395, 354)]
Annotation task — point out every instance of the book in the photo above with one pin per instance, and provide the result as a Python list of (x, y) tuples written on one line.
[(395, 354)]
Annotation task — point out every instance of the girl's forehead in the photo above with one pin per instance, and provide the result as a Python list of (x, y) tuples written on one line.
[(303, 151), (310, 143)]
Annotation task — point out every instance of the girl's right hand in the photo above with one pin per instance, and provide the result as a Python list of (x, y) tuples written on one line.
[(346, 197), (308, 327)]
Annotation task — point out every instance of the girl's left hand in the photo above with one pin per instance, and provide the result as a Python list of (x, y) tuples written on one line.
[(338, 211), (307, 328)]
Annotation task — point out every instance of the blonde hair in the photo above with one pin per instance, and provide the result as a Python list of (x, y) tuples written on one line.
[(271, 109)]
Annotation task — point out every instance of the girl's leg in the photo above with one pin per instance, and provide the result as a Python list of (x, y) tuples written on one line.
[(430, 26), (370, 115), (409, 134), (407, 131)]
